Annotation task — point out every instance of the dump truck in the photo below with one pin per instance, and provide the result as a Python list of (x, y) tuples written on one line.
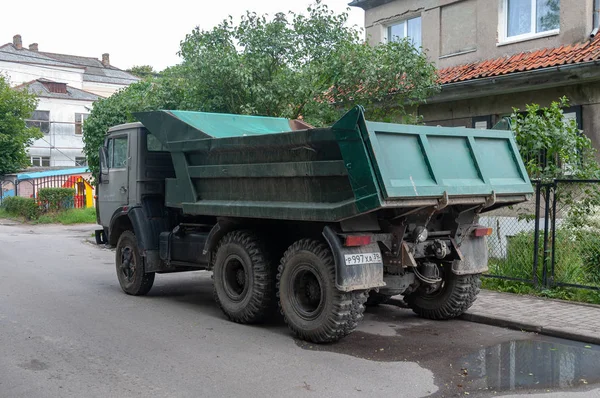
[(314, 223)]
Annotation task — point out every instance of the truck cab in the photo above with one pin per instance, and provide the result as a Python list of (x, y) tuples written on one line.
[(133, 169)]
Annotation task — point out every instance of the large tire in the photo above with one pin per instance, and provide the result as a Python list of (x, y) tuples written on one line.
[(314, 309), (456, 295), (130, 266), (376, 299), (244, 278)]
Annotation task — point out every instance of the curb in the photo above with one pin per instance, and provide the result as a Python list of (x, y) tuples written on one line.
[(529, 327)]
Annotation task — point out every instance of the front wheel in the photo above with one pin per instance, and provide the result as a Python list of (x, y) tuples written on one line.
[(314, 309), (130, 266), (455, 295)]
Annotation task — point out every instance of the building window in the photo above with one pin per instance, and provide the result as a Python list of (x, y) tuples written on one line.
[(41, 120), (410, 28), (40, 161), (528, 18), (79, 119), (81, 161), (482, 122)]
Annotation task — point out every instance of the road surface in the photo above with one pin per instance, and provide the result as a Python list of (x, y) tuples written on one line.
[(67, 330)]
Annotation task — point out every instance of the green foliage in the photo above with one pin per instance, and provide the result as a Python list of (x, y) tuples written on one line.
[(108, 112), (575, 257), (21, 207), (70, 216), (296, 65), (143, 71), (15, 136), (289, 65), (55, 199), (552, 147)]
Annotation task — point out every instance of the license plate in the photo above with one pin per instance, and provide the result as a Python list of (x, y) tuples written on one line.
[(362, 258)]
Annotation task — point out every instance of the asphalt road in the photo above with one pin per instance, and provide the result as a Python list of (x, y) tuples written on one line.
[(67, 330)]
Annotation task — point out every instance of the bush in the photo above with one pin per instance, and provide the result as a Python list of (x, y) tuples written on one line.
[(55, 199), (22, 207)]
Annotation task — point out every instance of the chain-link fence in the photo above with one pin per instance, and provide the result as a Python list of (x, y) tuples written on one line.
[(575, 258), (553, 240), (512, 243)]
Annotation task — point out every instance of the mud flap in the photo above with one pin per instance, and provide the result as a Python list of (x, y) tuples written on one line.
[(357, 268), (473, 254)]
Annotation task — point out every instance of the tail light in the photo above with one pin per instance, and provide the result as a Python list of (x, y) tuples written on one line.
[(481, 231), (357, 240)]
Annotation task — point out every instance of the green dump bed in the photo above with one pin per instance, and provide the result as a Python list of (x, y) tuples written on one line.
[(245, 166)]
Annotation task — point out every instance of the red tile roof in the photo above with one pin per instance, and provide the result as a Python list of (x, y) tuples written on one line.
[(569, 54)]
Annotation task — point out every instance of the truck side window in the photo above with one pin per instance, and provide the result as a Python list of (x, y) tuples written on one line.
[(117, 155)]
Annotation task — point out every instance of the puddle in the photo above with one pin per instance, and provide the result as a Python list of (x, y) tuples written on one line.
[(471, 358), (531, 364)]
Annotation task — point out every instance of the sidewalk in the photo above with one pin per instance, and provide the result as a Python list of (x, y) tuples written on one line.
[(574, 321)]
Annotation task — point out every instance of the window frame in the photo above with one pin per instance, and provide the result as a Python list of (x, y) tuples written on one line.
[(36, 122), (503, 26), (79, 125), (111, 151), (388, 28), (40, 161), (77, 163), (479, 119)]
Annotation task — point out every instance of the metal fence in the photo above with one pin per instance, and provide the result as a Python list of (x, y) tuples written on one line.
[(30, 188), (553, 240)]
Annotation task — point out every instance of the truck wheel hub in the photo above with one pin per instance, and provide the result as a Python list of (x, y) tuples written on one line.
[(128, 263), (307, 293), (234, 275)]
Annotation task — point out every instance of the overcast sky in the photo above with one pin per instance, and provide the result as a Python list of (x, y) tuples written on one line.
[(134, 32)]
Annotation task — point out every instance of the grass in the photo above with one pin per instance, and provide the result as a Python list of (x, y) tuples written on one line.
[(577, 261), (69, 217), (66, 217)]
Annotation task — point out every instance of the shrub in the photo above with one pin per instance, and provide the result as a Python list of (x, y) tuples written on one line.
[(23, 207), (55, 199)]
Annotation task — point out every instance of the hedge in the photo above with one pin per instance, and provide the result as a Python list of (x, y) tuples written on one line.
[(23, 207), (55, 199)]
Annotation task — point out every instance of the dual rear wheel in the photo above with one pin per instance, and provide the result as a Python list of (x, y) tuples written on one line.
[(248, 290)]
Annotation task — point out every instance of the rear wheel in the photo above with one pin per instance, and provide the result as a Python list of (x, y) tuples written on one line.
[(314, 309), (455, 295), (130, 266), (244, 278)]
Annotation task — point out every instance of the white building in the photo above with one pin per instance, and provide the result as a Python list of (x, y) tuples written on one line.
[(66, 86)]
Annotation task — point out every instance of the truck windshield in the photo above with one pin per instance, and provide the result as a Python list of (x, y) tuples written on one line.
[(153, 144)]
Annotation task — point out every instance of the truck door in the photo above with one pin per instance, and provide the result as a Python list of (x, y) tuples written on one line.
[(113, 190)]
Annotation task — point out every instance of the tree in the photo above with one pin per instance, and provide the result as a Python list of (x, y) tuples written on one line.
[(295, 65), (291, 65), (111, 111), (15, 136), (143, 71)]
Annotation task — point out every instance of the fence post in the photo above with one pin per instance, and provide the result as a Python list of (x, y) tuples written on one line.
[(553, 233), (536, 238), (546, 222)]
